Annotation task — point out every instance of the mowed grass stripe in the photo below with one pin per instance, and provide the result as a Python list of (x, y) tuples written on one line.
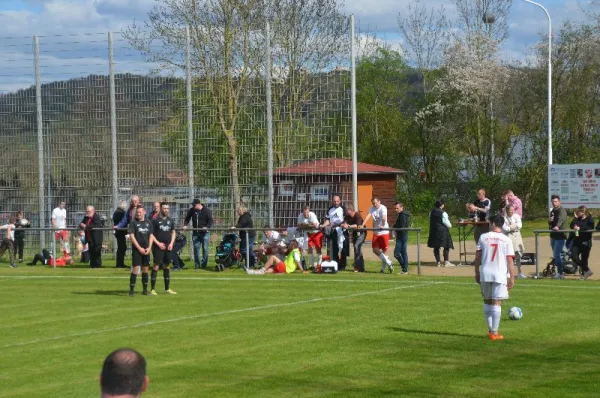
[(192, 317)]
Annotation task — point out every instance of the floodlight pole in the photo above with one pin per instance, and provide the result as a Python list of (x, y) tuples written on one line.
[(549, 94)]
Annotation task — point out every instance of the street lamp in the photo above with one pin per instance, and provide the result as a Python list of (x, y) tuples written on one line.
[(549, 93)]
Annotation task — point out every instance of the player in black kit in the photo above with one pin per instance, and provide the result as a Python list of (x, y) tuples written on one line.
[(164, 237), (140, 233)]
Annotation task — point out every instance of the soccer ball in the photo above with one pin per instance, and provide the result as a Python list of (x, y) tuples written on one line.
[(515, 313), (24, 221)]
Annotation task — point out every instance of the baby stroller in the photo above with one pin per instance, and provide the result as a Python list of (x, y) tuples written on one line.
[(569, 266), (228, 253)]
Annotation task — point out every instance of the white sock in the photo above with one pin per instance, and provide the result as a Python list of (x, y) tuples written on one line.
[(383, 266), (260, 271), (383, 257), (320, 259), (67, 247), (487, 312), (496, 314), (312, 260)]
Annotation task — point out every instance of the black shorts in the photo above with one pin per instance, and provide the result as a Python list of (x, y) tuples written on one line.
[(161, 257), (138, 259)]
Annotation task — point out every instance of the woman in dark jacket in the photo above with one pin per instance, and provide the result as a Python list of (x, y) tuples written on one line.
[(439, 233), (582, 242), (245, 221)]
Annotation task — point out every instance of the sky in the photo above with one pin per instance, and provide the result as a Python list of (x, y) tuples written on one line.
[(73, 32)]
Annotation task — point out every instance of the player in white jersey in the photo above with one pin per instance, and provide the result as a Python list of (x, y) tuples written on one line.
[(381, 237), (309, 224), (59, 220), (495, 254)]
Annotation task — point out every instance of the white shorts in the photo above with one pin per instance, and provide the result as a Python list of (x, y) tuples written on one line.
[(494, 291)]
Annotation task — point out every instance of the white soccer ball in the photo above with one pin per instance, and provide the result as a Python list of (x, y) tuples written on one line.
[(24, 221), (515, 313)]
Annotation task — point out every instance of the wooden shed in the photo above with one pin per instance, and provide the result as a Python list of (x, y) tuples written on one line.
[(314, 183)]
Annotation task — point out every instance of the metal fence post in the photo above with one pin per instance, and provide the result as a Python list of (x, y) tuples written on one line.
[(40, 136), (537, 263), (419, 251), (248, 250), (353, 100), (113, 127), (190, 115), (269, 122)]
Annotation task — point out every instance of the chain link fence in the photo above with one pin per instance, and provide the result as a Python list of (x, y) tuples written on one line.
[(90, 119)]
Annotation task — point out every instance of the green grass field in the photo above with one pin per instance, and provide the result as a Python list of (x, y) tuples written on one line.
[(231, 334)]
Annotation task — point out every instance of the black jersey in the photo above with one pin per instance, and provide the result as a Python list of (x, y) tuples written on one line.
[(142, 231), (163, 229)]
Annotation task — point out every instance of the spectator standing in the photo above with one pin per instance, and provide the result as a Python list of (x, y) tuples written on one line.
[(309, 224), (582, 242), (245, 221), (120, 234), (94, 236), (515, 202), (129, 214), (352, 221), (156, 208), (556, 222), (402, 221), (512, 228), (479, 210), (20, 236), (59, 221), (202, 220), (338, 246), (8, 241), (439, 233), (123, 374), (381, 236)]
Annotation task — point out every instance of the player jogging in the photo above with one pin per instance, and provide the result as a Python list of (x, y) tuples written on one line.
[(59, 221), (381, 237), (164, 238), (140, 233), (494, 259)]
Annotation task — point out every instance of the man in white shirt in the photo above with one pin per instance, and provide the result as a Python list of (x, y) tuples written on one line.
[(271, 246), (495, 255), (381, 236), (309, 224), (59, 221), (8, 240)]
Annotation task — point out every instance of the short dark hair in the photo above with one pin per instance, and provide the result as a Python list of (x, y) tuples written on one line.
[(497, 220), (305, 207), (163, 204), (399, 204), (555, 197), (123, 372), (439, 203)]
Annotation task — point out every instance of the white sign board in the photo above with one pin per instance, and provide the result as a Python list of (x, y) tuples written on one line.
[(576, 184)]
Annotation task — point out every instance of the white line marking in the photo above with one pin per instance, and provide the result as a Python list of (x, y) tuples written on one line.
[(287, 279), (187, 318)]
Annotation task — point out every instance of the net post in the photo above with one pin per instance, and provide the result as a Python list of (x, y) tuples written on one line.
[(113, 127), (189, 110), (269, 120), (353, 106), (40, 136)]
